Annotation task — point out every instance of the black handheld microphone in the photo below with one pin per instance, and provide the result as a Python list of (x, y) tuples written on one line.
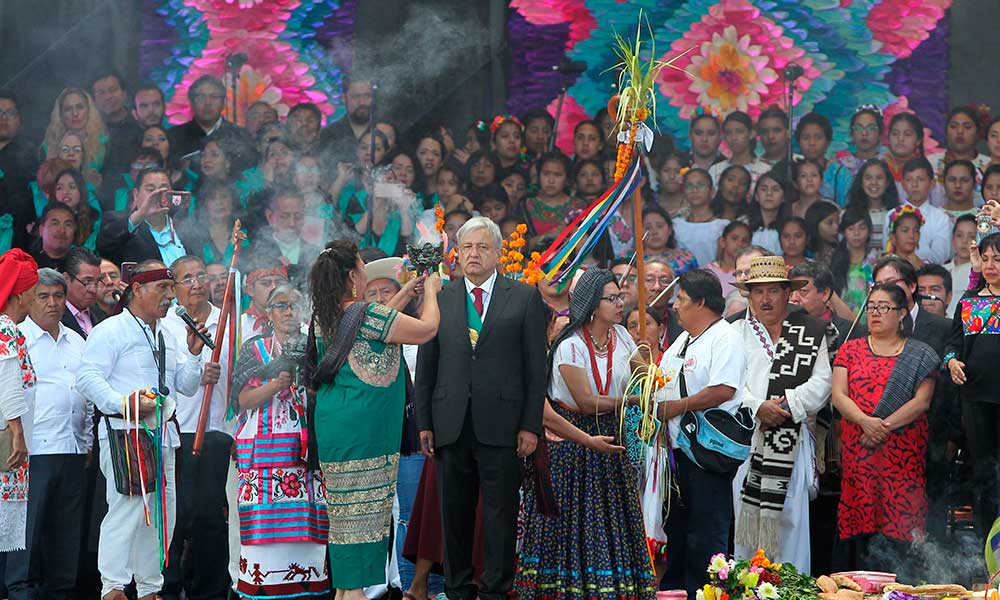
[(182, 312)]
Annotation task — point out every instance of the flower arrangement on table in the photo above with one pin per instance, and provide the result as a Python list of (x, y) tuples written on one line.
[(756, 579)]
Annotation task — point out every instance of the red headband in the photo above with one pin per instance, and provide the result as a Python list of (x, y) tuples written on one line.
[(256, 274), (18, 274), (142, 278)]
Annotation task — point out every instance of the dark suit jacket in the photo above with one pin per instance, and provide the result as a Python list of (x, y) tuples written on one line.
[(501, 383), (96, 316), (117, 244)]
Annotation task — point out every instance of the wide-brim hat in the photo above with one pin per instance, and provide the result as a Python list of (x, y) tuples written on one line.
[(384, 268), (769, 269)]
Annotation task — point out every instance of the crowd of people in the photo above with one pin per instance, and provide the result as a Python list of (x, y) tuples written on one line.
[(367, 429)]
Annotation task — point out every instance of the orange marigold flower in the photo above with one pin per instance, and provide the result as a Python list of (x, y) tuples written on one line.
[(521, 228)]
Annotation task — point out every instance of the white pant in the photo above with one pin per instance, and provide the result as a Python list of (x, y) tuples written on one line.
[(128, 548), (795, 541), (232, 496)]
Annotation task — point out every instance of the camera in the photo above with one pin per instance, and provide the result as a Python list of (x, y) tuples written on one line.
[(173, 198)]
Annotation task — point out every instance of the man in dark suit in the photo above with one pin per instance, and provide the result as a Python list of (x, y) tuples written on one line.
[(480, 392), (146, 231), (83, 276)]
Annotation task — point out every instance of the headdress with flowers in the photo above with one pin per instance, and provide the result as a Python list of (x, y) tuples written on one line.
[(501, 119), (895, 215)]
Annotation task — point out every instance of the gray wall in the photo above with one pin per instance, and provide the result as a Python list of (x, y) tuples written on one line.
[(974, 38)]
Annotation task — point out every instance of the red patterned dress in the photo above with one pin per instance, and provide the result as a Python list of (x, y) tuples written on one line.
[(883, 488)]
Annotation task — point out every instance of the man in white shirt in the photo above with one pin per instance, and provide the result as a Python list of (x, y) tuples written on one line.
[(706, 366), (60, 444), (120, 364), (935, 232), (201, 486), (788, 381)]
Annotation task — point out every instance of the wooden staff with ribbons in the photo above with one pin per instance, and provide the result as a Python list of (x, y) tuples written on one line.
[(228, 312)]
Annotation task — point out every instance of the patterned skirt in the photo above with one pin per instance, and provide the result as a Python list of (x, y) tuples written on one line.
[(596, 547)]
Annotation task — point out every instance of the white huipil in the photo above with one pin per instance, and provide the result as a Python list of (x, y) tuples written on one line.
[(804, 402), (119, 360)]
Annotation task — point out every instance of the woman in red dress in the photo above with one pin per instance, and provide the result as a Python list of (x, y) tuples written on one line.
[(882, 386)]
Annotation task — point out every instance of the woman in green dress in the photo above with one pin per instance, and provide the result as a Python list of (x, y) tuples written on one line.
[(358, 421)]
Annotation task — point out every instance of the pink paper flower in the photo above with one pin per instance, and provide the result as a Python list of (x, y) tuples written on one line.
[(901, 25), (737, 57)]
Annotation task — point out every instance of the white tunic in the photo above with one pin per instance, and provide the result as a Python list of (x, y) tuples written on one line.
[(804, 402), (119, 360)]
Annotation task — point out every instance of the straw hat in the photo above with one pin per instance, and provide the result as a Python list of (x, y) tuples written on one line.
[(384, 268), (769, 269)]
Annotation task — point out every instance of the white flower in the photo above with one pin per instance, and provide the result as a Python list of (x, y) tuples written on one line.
[(700, 595), (767, 591)]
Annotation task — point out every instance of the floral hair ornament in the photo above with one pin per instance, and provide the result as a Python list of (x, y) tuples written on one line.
[(706, 111), (870, 108), (895, 215), (501, 119), (480, 125)]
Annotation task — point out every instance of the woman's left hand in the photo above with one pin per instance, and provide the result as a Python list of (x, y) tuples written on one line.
[(604, 444)]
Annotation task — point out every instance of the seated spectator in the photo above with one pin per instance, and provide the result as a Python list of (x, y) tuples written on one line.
[(550, 208), (737, 130), (735, 237), (904, 227), (516, 185), (75, 111), (538, 124), (588, 140), (963, 237), (56, 231), (661, 242), (867, 125), (853, 259), (124, 133), (671, 181), (873, 191), (285, 215), (209, 235), (772, 132), (794, 241), (588, 181), (181, 177), (258, 115), (768, 209), (148, 105), (482, 169), (935, 232), (304, 123), (116, 191), (808, 176), (822, 224), (430, 153), (699, 231), (959, 188), (18, 157), (70, 189), (207, 96), (493, 204), (733, 193)]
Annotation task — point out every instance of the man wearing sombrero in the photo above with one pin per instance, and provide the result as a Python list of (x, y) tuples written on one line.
[(788, 380)]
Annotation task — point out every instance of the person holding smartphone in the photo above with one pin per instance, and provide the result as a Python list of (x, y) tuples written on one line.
[(145, 231)]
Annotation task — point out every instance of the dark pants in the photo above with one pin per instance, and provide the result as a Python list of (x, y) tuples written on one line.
[(47, 567), (697, 526), (981, 421), (467, 470), (199, 550)]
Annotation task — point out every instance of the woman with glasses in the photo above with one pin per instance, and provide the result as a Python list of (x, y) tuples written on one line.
[(971, 361), (882, 387), (276, 485), (596, 542)]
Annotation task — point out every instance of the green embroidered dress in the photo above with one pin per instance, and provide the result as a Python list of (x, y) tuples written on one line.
[(359, 423)]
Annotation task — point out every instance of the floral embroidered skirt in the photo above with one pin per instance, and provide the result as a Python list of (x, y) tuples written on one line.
[(596, 547)]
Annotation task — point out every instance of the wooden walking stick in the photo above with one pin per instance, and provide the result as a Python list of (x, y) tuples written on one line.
[(220, 334)]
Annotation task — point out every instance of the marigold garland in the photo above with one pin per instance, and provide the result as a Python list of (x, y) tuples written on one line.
[(439, 215)]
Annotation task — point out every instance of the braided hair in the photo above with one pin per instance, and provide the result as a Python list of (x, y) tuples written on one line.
[(329, 279), (583, 302)]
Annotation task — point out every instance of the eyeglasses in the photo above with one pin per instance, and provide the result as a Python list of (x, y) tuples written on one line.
[(865, 129), (285, 306), (66, 149), (9, 114), (741, 273), (880, 309), (90, 284), (696, 187), (664, 281), (191, 279), (614, 298), (142, 166)]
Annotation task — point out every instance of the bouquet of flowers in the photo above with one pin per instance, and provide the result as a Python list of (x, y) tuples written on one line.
[(756, 579)]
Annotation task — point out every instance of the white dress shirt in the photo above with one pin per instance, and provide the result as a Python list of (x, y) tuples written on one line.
[(189, 407), (487, 288), (62, 421), (119, 360)]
